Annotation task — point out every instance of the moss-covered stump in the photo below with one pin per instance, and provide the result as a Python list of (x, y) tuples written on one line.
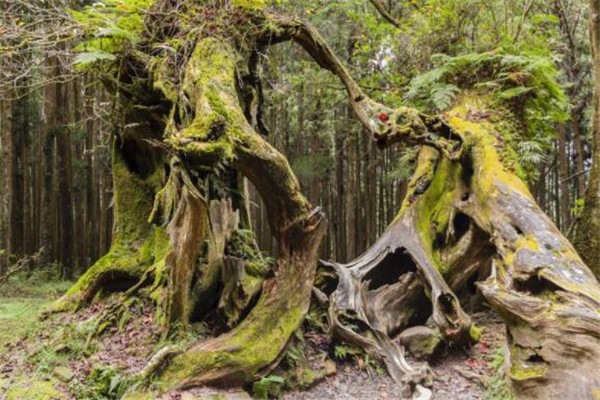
[(473, 215)]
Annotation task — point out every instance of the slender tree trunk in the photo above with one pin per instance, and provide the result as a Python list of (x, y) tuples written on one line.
[(340, 211), (19, 131), (6, 181), (65, 185), (91, 193), (47, 220), (563, 176), (350, 200), (579, 155)]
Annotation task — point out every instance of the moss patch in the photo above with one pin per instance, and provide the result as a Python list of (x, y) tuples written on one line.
[(34, 390)]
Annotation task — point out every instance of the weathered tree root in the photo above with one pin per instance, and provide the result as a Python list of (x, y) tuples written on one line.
[(382, 290), (255, 345)]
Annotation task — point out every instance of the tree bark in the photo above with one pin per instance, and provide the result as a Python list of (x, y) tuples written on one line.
[(563, 175), (6, 168), (587, 235), (65, 184)]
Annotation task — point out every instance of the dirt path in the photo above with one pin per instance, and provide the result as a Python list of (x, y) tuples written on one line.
[(462, 374)]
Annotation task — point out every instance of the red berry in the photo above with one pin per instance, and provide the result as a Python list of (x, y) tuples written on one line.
[(384, 117)]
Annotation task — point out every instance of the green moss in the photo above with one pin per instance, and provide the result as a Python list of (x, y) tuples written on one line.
[(34, 390), (306, 377), (249, 4), (159, 69), (521, 368), (524, 373), (475, 332), (480, 136), (133, 201), (252, 345), (435, 207)]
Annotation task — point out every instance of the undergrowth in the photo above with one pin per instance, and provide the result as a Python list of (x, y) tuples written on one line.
[(42, 282), (498, 387)]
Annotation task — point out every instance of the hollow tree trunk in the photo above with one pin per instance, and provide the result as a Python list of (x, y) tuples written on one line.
[(216, 133), (252, 347), (460, 217)]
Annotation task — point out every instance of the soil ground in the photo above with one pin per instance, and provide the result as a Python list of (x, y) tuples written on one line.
[(55, 359)]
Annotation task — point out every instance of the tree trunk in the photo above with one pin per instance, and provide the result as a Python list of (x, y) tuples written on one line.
[(19, 132), (6, 169), (65, 185), (578, 142), (587, 235), (563, 178)]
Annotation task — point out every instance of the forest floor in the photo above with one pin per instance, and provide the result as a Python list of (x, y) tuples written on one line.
[(56, 358), (465, 374)]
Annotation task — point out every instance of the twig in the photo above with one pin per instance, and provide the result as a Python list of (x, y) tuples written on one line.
[(21, 264), (385, 13), (585, 171)]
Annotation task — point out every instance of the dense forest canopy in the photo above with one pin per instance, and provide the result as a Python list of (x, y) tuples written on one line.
[(189, 163)]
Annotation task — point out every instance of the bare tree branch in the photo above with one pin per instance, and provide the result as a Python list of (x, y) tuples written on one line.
[(385, 13)]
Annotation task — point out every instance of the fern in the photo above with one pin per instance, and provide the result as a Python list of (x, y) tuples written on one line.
[(507, 77), (514, 92), (110, 26), (442, 96), (525, 84), (530, 152), (343, 352), (89, 57), (406, 165), (268, 386)]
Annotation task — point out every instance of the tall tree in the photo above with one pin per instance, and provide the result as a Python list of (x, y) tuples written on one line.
[(587, 236), (6, 180)]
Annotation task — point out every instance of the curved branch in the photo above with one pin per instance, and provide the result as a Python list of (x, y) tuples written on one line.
[(385, 125), (385, 13)]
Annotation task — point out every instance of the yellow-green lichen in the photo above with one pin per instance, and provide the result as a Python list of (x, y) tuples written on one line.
[(475, 332), (249, 4), (526, 372), (481, 138)]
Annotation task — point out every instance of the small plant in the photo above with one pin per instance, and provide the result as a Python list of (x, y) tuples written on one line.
[(104, 383), (344, 351), (498, 388), (578, 206), (268, 386)]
